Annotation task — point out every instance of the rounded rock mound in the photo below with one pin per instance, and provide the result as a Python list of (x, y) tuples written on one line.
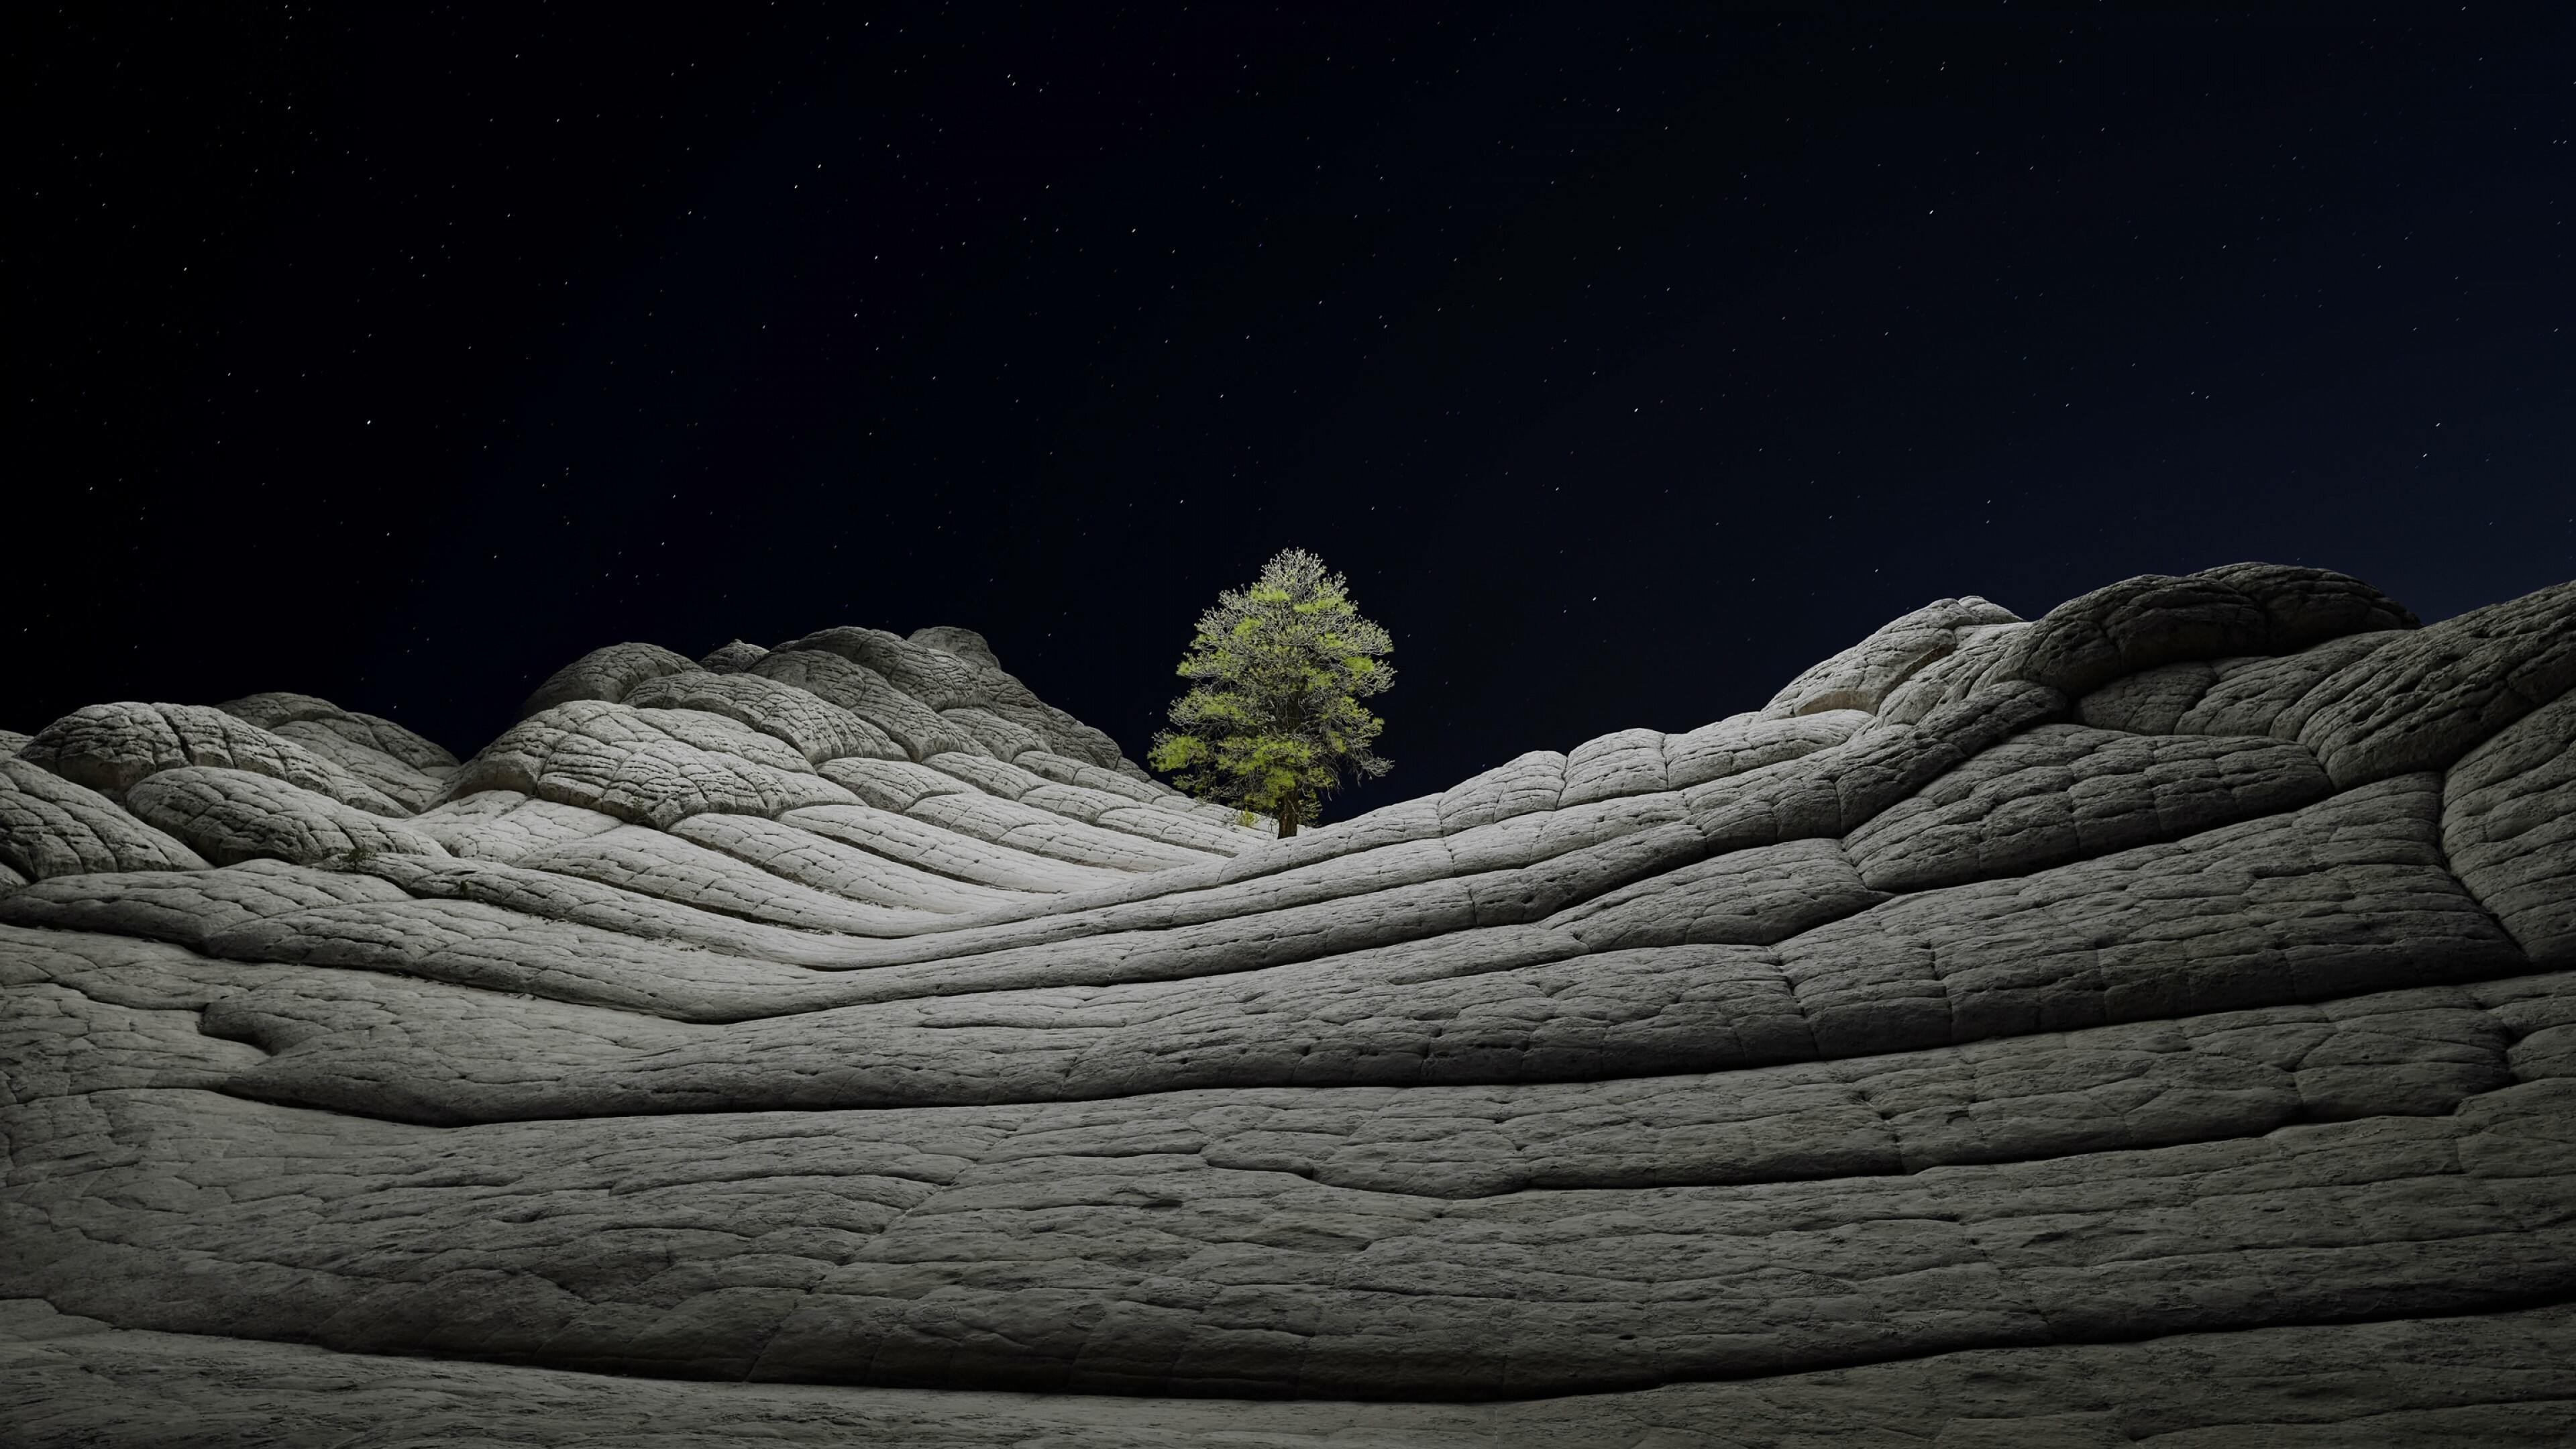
[(2154, 1021)]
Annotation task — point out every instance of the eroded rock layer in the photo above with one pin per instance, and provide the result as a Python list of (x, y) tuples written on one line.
[(2173, 988)]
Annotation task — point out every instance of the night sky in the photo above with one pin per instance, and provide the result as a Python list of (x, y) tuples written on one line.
[(1628, 359)]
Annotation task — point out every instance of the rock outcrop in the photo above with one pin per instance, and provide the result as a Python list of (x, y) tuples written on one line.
[(2151, 1022)]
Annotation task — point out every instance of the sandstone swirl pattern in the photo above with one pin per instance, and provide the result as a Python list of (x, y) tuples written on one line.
[(2153, 1022)]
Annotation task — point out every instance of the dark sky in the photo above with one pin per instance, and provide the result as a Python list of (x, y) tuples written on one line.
[(1628, 359)]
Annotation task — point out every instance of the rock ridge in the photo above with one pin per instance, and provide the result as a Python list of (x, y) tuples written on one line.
[(2181, 983)]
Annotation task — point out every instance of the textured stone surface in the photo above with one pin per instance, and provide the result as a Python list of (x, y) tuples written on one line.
[(2152, 1022), (604, 674), (2509, 824), (951, 669), (234, 815), (1861, 677), (277, 709), (2341, 902), (2062, 792), (800, 1246), (401, 765), (732, 658), (50, 826), (818, 730), (966, 644), (113, 747), (189, 908), (2424, 700), (507, 824), (921, 730), (649, 766), (935, 850), (2239, 696), (676, 867), (408, 787), (2239, 609), (2497, 1379), (1840, 789)]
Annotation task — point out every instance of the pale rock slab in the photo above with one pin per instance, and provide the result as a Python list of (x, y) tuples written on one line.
[(50, 826), (604, 674), (2509, 826), (2240, 696), (2348, 895), (921, 730), (496, 951), (651, 767), (277, 709), (2490, 1379), (1628, 762), (818, 730), (1003, 738), (825, 864), (57, 1041), (1979, 660), (1744, 742), (2153, 701), (953, 672), (732, 658), (1073, 739), (505, 825), (931, 847), (1208, 831), (412, 789), (2248, 696), (1905, 1035), (2305, 606), (1250, 886), (1086, 792), (404, 766), (1839, 789), (2153, 619), (897, 784), (187, 908), (1863, 676), (676, 867), (966, 644), (583, 902), (112, 747), (2422, 701), (1753, 897), (1527, 783), (2343, 899), (940, 678), (1066, 770), (979, 816), (2063, 792), (1203, 833), (229, 816), (877, 1252)]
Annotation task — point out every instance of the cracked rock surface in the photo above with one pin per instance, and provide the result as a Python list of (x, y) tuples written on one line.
[(2150, 1023)]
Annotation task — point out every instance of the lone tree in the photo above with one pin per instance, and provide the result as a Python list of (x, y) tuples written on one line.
[(1273, 719)]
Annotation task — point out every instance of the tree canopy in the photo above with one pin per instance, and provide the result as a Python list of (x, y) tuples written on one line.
[(1273, 720)]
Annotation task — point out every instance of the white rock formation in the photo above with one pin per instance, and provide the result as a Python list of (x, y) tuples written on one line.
[(2151, 1022)]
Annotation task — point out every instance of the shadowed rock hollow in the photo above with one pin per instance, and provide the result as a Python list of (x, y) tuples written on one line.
[(2148, 1023)]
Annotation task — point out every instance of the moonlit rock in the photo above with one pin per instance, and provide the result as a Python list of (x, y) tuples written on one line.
[(2156, 1018)]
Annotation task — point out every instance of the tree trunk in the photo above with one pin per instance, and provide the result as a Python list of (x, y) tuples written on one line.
[(1287, 819)]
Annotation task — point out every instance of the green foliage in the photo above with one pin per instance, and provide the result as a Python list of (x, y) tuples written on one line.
[(1274, 720)]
